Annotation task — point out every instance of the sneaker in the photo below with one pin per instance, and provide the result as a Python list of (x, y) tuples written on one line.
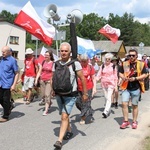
[(27, 102), (45, 113), (134, 125), (82, 122), (104, 115), (112, 104), (58, 145), (42, 102), (125, 124)]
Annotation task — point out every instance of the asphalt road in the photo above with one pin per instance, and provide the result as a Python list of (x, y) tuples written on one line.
[(27, 129)]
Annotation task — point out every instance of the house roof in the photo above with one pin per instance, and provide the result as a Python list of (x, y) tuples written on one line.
[(144, 50), (108, 46)]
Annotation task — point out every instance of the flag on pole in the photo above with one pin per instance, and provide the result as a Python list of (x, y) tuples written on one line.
[(85, 46), (110, 32), (41, 57), (29, 20)]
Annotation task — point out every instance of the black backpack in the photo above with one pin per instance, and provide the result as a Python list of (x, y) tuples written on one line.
[(61, 83)]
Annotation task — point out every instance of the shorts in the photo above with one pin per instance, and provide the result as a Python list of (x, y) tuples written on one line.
[(28, 82), (134, 95), (69, 103)]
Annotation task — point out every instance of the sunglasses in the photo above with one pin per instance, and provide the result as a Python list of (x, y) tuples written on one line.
[(131, 55)]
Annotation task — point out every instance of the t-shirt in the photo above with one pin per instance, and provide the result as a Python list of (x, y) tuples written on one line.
[(135, 84), (46, 73), (88, 72), (30, 70)]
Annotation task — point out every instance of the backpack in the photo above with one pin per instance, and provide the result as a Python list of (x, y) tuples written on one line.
[(61, 83)]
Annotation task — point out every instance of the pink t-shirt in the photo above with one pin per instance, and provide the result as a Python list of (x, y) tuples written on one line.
[(46, 73), (108, 76)]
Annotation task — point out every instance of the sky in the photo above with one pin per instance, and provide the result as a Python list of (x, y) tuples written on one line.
[(139, 8)]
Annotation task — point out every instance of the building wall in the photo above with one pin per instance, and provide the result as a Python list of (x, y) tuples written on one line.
[(7, 30)]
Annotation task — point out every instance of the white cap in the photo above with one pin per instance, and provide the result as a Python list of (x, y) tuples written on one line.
[(29, 51)]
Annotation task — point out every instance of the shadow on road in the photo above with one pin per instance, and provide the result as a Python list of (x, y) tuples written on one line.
[(15, 114), (120, 119)]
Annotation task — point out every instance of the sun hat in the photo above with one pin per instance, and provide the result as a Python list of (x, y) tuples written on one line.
[(29, 51)]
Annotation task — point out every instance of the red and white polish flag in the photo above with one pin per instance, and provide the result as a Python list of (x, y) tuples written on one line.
[(29, 20), (41, 57), (110, 32)]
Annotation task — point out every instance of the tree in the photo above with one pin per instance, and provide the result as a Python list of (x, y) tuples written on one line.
[(7, 16), (90, 25)]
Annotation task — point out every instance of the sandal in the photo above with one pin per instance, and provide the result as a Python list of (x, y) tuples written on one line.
[(68, 136), (28, 102), (58, 145)]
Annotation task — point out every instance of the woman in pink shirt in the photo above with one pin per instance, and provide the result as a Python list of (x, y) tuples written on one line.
[(45, 75), (108, 77)]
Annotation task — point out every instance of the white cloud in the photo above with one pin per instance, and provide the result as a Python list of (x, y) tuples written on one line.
[(139, 8)]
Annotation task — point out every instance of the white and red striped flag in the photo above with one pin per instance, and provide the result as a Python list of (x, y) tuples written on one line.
[(29, 20), (41, 57), (110, 32)]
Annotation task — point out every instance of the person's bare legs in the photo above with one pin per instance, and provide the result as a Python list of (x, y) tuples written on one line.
[(125, 110), (65, 126), (135, 112), (29, 92), (47, 106)]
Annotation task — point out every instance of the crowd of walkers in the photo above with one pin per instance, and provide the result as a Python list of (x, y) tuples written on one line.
[(73, 82)]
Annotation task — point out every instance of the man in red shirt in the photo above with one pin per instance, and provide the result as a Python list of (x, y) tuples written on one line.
[(30, 71)]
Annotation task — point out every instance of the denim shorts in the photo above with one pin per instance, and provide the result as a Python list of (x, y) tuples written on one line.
[(134, 95), (68, 105)]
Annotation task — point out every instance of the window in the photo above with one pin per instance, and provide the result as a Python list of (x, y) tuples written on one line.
[(15, 54), (14, 40)]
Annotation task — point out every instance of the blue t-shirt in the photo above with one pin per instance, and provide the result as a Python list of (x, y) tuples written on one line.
[(8, 67)]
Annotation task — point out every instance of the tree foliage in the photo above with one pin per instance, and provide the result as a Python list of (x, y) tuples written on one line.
[(132, 32)]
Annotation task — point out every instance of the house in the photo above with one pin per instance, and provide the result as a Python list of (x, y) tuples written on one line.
[(14, 37), (117, 49), (141, 50)]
